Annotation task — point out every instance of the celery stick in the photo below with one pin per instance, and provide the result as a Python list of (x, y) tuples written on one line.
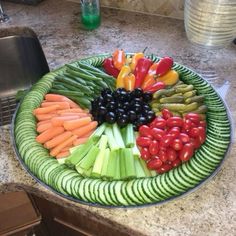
[(129, 163), (74, 148), (135, 150), (129, 136), (146, 170), (61, 160), (139, 169), (105, 163), (80, 152), (111, 140), (99, 131), (87, 173), (88, 161), (117, 173), (111, 167), (97, 168), (117, 135), (122, 164)]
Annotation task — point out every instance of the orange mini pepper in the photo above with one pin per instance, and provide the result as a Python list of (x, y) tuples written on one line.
[(135, 59), (151, 76), (118, 58), (129, 82)]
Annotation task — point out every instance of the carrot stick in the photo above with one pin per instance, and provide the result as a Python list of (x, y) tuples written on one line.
[(44, 117), (85, 129), (62, 105), (56, 150), (72, 110), (62, 154), (49, 134), (43, 122), (79, 141), (88, 134), (59, 120), (43, 127), (45, 110), (81, 114), (50, 97), (74, 124), (67, 148), (57, 140)]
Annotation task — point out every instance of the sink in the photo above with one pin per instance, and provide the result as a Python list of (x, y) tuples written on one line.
[(22, 63)]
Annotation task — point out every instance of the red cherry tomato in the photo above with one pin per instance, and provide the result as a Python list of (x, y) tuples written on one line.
[(143, 141), (196, 142), (194, 132), (166, 140), (162, 155), (202, 123), (186, 152), (166, 113), (154, 147), (145, 154), (145, 131), (154, 164), (160, 123), (176, 162), (184, 138), (194, 117), (174, 121), (171, 154), (157, 133), (164, 168), (202, 134), (187, 124), (175, 132), (177, 144)]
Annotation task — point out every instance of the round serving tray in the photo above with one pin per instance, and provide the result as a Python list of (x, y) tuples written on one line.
[(176, 183)]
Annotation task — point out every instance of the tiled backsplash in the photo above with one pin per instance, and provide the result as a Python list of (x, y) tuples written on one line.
[(170, 8)]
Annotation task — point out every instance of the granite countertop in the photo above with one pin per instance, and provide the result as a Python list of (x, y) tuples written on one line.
[(209, 211)]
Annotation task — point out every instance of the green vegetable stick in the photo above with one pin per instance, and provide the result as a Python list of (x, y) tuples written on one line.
[(122, 164), (129, 163), (129, 136), (117, 171), (111, 140), (105, 163), (111, 167), (139, 169), (146, 170), (117, 135)]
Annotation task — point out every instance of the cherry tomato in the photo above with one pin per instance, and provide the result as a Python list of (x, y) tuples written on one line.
[(184, 138), (175, 132), (196, 142), (145, 154), (174, 121), (162, 155), (202, 123), (166, 140), (157, 133), (202, 134), (145, 131), (186, 152), (143, 141), (187, 124), (177, 144), (160, 123), (154, 163), (176, 162), (164, 168), (194, 132), (171, 154), (154, 147), (194, 117), (166, 113)]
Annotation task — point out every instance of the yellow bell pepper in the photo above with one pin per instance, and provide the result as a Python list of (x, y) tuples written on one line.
[(170, 78), (124, 72), (135, 59)]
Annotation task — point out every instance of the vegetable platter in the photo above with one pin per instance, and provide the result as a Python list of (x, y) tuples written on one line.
[(122, 130)]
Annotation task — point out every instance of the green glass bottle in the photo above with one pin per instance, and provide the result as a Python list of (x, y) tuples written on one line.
[(90, 14)]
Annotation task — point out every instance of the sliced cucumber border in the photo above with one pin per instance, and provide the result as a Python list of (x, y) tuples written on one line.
[(44, 85)]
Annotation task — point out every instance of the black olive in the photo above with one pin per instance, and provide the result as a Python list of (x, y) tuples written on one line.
[(146, 107), (126, 106), (100, 101), (137, 108), (110, 117), (120, 105), (150, 116), (147, 97), (123, 120), (108, 98), (137, 93), (132, 115), (141, 120), (102, 110), (106, 91), (111, 106)]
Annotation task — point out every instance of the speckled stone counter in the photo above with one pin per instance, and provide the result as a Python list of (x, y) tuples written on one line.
[(211, 210)]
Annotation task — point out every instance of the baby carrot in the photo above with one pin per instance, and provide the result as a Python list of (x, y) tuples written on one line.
[(79, 141), (56, 150), (62, 105), (43, 117), (57, 140), (50, 97), (88, 134), (72, 110), (43, 122), (49, 134), (41, 128), (74, 124), (81, 114), (85, 129), (59, 120), (62, 154), (45, 110)]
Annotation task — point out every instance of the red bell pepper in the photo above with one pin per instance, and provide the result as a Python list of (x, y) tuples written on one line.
[(154, 87), (164, 65), (110, 68), (141, 70)]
